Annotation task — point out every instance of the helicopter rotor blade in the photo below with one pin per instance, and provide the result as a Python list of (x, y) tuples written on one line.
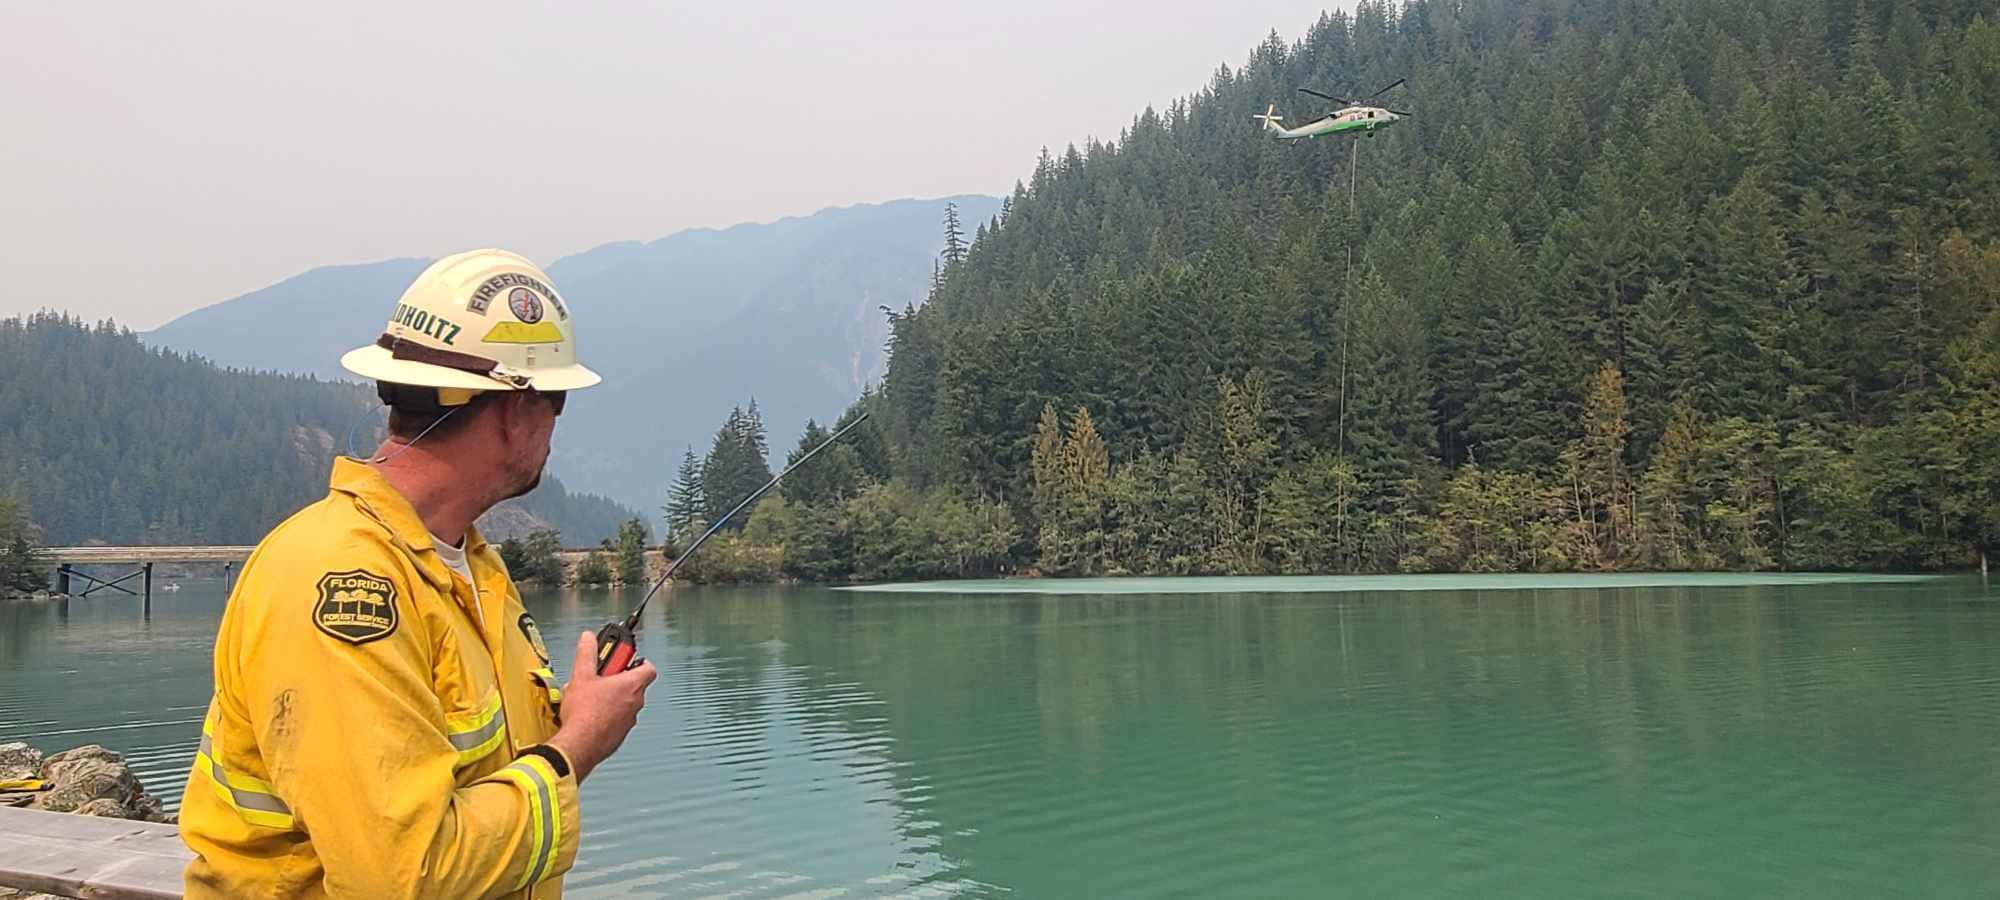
[(1387, 88), (1338, 100), (1400, 112)]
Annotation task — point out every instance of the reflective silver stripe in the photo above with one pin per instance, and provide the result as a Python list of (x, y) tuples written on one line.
[(245, 799), (545, 797), (467, 740)]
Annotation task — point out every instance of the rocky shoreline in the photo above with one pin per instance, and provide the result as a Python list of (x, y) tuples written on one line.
[(37, 596), (87, 780)]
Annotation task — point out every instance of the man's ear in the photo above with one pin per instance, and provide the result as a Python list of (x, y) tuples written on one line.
[(510, 413)]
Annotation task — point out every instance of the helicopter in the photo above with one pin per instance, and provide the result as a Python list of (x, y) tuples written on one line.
[(1353, 116)]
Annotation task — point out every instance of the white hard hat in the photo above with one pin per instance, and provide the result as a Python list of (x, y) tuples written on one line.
[(484, 320)]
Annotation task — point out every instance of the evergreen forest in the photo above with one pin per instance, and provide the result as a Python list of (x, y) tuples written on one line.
[(1646, 284), (105, 440)]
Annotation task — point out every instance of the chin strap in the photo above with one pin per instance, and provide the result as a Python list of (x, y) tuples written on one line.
[(420, 436)]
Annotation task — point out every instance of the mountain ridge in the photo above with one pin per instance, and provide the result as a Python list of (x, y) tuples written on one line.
[(786, 310)]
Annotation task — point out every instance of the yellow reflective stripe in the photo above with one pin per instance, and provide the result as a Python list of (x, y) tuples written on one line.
[(537, 781), (478, 733), (252, 799)]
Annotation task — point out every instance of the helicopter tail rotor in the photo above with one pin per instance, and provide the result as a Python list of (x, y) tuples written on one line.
[(1270, 118)]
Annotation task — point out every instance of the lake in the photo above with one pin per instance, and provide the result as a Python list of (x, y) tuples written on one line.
[(1472, 736)]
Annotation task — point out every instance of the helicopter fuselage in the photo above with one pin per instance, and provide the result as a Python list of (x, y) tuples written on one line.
[(1359, 119)]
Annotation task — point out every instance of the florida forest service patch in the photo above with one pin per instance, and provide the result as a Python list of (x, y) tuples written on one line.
[(356, 606)]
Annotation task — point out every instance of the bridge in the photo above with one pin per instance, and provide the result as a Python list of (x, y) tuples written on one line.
[(141, 559)]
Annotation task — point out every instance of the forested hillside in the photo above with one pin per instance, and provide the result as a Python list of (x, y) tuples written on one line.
[(1655, 283), (110, 441)]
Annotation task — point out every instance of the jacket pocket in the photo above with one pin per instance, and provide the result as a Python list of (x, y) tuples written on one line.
[(547, 689)]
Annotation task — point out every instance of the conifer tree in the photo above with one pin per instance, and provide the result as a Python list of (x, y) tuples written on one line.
[(685, 501), (833, 476), (630, 553), (736, 465), (954, 237), (20, 546)]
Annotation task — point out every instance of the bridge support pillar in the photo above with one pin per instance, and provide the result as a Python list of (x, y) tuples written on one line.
[(149, 589), (62, 579)]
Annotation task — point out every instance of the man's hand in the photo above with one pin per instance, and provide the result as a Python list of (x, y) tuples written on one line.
[(598, 710)]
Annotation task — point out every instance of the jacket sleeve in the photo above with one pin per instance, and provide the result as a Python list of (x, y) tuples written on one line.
[(357, 744)]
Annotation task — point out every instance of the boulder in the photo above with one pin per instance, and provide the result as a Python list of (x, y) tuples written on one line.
[(105, 807), (94, 781), (18, 760), (149, 809)]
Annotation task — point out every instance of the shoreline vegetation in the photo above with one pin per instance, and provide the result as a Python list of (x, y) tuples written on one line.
[(1230, 506), (22, 575), (1231, 509)]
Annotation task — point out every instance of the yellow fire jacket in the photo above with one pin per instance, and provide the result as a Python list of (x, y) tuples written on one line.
[(376, 729)]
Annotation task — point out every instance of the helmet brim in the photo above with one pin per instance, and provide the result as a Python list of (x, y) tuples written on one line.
[(377, 364), (563, 378)]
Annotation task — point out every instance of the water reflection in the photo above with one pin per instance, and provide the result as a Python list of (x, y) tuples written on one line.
[(1276, 743), (1782, 740), (753, 773)]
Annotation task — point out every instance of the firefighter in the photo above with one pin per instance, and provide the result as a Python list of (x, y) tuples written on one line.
[(385, 721)]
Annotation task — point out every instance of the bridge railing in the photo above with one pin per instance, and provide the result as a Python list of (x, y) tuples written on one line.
[(141, 558), (112, 555)]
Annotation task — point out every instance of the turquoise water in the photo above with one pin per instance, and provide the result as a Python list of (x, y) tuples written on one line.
[(1344, 584), (1645, 736)]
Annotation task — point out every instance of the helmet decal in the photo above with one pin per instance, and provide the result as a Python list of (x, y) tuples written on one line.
[(525, 305), (483, 298), (425, 323), (524, 333)]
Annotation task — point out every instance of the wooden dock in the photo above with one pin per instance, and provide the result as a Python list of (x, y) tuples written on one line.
[(88, 856)]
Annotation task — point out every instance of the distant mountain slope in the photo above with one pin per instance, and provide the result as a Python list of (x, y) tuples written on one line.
[(113, 442), (683, 328), (344, 306)]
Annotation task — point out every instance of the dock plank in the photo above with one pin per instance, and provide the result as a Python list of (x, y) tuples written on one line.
[(89, 856)]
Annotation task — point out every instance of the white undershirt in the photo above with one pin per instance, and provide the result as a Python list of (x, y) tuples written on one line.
[(454, 559)]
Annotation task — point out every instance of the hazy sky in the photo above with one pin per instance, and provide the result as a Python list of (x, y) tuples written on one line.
[(159, 157)]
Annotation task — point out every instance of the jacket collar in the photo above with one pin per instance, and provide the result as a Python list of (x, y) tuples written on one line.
[(382, 502)]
